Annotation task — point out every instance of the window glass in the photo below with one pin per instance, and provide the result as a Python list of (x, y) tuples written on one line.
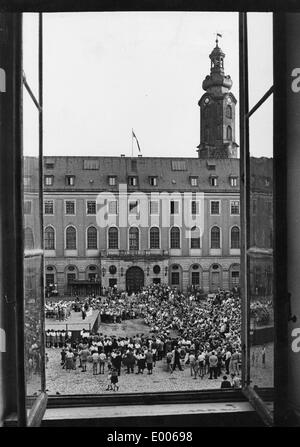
[(214, 207), (260, 252), (91, 207), (32, 221), (70, 207)]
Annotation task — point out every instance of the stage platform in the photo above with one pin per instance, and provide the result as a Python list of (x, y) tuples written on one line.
[(74, 322)]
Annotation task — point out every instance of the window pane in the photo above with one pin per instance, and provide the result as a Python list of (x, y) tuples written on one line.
[(92, 238), (32, 221), (260, 250)]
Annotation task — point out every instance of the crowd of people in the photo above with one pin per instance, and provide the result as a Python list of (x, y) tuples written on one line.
[(58, 310), (185, 332)]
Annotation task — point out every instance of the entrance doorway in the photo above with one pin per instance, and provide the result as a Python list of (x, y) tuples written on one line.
[(134, 279), (215, 277)]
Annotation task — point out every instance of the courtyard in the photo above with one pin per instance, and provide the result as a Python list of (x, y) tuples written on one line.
[(60, 381)]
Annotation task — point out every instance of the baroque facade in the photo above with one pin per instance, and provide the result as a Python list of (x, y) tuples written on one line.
[(132, 221)]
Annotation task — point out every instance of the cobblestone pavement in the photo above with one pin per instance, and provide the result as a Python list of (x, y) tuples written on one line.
[(60, 381)]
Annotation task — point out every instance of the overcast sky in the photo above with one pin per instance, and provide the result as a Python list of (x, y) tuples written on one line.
[(106, 73)]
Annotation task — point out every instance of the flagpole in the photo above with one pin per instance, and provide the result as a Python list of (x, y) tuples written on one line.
[(132, 142)]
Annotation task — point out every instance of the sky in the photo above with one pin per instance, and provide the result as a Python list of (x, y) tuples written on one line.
[(108, 73)]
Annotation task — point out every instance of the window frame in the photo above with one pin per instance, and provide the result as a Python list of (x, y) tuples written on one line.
[(87, 238), (53, 206), (76, 238), (87, 207), (239, 205), (65, 207), (54, 237), (281, 287), (210, 207)]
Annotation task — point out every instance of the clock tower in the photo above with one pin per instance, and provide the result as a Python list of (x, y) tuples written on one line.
[(217, 111)]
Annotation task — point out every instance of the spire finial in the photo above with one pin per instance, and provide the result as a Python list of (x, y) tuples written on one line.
[(217, 40)]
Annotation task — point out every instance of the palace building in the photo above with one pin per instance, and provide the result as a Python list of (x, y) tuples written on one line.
[(125, 221)]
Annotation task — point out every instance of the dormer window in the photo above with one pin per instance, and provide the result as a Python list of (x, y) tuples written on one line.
[(233, 180), (48, 179), (213, 180), (153, 181), (211, 166), (194, 181), (70, 180), (112, 180), (132, 180)]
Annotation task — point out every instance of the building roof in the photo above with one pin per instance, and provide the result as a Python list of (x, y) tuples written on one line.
[(173, 174)]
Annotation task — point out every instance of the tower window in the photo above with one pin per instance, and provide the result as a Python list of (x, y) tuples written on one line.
[(229, 133), (229, 112)]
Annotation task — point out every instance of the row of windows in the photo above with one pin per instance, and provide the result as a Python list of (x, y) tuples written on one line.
[(134, 238), (133, 207), (133, 180), (207, 132), (228, 111)]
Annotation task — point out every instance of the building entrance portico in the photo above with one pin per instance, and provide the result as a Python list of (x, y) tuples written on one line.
[(134, 279)]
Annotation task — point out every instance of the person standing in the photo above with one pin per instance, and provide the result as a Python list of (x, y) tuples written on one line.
[(149, 361), (176, 359), (95, 359), (102, 359), (84, 353), (69, 360), (213, 366)]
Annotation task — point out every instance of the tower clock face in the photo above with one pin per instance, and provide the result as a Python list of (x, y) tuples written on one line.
[(229, 100), (206, 100)]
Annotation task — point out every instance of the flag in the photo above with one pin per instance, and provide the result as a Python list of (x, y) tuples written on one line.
[(137, 142), (220, 35)]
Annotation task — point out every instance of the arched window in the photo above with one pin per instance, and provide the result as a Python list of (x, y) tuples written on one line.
[(235, 237), (175, 237), (154, 237), (49, 238), (113, 238), (28, 238), (215, 238), (228, 111), (134, 238), (229, 133), (195, 237), (92, 238), (71, 238)]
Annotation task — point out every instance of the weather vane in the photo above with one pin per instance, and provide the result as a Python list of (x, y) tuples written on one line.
[(217, 35)]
